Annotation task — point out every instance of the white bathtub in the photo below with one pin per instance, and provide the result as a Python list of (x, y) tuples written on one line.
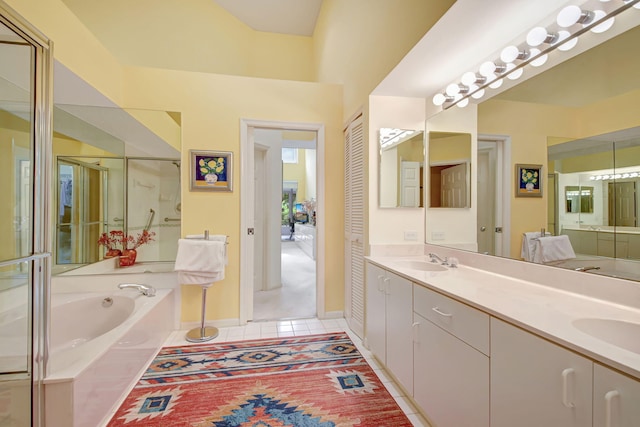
[(97, 352)]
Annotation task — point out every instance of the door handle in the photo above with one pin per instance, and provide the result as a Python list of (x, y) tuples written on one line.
[(483, 228)]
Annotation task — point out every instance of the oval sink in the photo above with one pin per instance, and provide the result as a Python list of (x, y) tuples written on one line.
[(617, 332), (421, 265)]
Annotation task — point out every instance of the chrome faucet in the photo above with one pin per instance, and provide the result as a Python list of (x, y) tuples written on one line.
[(436, 258), (592, 267), (146, 290)]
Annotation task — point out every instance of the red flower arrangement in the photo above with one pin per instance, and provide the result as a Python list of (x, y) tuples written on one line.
[(124, 246)]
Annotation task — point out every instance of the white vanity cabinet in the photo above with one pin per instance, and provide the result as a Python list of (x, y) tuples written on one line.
[(616, 399), (389, 321), (451, 363), (537, 383)]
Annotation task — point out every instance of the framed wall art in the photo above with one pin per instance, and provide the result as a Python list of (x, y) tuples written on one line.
[(211, 170), (528, 180)]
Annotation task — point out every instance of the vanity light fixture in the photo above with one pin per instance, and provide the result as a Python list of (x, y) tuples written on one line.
[(605, 177), (542, 41), (390, 137)]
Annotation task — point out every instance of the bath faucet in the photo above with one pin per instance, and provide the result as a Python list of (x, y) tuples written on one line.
[(145, 290), (436, 258), (593, 267)]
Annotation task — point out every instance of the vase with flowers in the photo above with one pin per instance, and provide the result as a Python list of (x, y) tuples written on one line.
[(124, 246)]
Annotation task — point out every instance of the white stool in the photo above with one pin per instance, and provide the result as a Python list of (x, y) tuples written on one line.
[(203, 333)]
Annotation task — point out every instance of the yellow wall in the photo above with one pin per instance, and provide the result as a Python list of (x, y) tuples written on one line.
[(296, 172), (212, 106), (358, 42), (198, 35)]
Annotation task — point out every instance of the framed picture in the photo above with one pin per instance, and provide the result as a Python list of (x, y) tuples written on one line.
[(528, 180), (211, 170)]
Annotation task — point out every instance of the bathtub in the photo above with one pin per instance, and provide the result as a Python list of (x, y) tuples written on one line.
[(100, 343)]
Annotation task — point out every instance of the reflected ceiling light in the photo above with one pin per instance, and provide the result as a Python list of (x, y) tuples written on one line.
[(514, 75), (511, 53), (540, 60), (604, 26), (496, 84), (562, 36), (476, 93), (635, 6), (489, 69), (463, 103), (572, 15), (540, 35)]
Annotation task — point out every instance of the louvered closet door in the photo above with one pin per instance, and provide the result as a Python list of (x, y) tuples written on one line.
[(354, 225)]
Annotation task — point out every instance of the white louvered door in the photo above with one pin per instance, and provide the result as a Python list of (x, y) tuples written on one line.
[(354, 225)]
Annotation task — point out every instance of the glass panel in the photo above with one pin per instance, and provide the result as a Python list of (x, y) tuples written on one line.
[(153, 192), (16, 136), (14, 318)]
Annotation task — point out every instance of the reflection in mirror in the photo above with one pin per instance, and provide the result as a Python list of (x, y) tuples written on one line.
[(401, 168), (449, 170), (554, 118), (91, 146), (578, 199)]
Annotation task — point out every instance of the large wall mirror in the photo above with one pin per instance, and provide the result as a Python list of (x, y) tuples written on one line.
[(579, 121), (401, 168), (114, 169)]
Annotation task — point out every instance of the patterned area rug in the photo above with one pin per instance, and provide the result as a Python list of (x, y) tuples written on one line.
[(310, 381)]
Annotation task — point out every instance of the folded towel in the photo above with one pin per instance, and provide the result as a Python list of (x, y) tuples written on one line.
[(529, 245), (554, 248), (200, 261), (215, 238)]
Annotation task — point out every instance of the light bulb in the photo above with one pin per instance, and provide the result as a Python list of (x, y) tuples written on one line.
[(463, 103), (540, 60), (514, 75), (604, 26), (635, 6), (572, 15), (539, 35), (562, 35), (509, 54), (453, 89), (487, 69), (439, 99), (469, 78), (496, 84)]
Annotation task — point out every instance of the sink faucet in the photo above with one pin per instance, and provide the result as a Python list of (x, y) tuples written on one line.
[(436, 258), (592, 267), (146, 290)]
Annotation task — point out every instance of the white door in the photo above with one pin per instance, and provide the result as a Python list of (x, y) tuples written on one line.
[(454, 186), (354, 225), (260, 222), (410, 184)]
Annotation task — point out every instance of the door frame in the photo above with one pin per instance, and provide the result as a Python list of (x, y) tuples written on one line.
[(503, 191), (247, 210)]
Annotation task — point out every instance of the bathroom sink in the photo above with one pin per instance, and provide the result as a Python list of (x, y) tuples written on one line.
[(617, 332), (421, 265)]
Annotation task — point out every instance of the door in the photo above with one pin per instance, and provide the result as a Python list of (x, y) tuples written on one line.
[(486, 201), (454, 186), (622, 206), (410, 184)]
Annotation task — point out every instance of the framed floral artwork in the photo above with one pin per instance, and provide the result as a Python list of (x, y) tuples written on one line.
[(528, 180), (211, 170)]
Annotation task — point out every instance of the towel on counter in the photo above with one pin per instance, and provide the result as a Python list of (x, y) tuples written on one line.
[(530, 244), (200, 262), (554, 248)]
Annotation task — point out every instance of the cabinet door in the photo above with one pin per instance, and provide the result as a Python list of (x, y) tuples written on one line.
[(451, 382), (536, 383), (399, 320), (616, 399), (375, 312)]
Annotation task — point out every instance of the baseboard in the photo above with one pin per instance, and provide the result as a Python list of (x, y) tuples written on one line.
[(332, 315)]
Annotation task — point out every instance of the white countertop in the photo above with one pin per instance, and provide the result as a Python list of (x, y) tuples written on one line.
[(541, 309)]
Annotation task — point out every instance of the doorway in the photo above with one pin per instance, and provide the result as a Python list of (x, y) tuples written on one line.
[(273, 264), (494, 195)]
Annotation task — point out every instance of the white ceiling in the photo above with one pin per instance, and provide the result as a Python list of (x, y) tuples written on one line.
[(297, 17)]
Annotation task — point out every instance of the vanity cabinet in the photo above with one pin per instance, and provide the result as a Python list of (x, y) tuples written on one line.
[(537, 383), (389, 322), (451, 346), (616, 399)]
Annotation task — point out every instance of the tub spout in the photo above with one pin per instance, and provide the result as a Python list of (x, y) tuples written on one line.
[(145, 290)]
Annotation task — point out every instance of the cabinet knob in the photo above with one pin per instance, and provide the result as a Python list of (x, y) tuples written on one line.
[(567, 374)]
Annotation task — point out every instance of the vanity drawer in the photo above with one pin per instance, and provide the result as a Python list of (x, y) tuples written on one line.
[(466, 323)]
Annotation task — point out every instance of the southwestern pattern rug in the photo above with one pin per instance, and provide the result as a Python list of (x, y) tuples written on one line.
[(310, 381)]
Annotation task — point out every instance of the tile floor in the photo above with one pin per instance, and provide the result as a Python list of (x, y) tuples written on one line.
[(286, 328)]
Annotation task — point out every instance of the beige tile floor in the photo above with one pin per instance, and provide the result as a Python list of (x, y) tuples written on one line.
[(286, 328)]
